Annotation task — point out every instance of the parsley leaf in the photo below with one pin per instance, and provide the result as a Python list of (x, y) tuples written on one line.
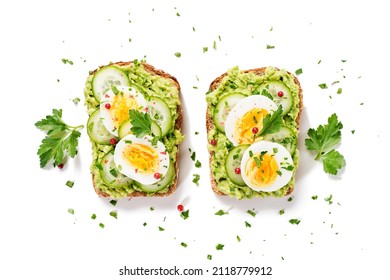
[(272, 122), (221, 212), (141, 123), (60, 138), (322, 140)]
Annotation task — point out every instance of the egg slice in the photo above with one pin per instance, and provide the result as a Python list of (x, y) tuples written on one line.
[(141, 160), (266, 166), (115, 105), (245, 120)]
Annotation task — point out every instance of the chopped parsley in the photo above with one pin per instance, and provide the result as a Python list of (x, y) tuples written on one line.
[(314, 197), (270, 47), (219, 246), (70, 184), (298, 71), (183, 244), (67, 61), (205, 49), (209, 257), (177, 54), (151, 208), (76, 100), (323, 86), (93, 216), (238, 238), (281, 212), (198, 164), (114, 214), (290, 198), (221, 212), (71, 211), (185, 214), (294, 221), (247, 224), (161, 228), (113, 202), (193, 156), (329, 199), (251, 212), (272, 122), (339, 91), (101, 225), (196, 179)]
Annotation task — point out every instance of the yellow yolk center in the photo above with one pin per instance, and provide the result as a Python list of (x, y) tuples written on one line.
[(142, 157), (120, 106), (261, 170), (249, 125)]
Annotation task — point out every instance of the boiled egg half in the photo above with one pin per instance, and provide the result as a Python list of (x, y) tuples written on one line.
[(116, 103), (245, 119), (266, 166), (141, 160)]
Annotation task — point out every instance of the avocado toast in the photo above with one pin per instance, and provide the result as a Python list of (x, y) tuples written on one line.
[(252, 123), (134, 125)]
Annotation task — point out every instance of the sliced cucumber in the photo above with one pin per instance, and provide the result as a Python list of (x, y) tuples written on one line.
[(97, 131), (124, 129), (161, 114), (285, 137), (111, 176), (272, 89), (107, 76), (233, 161), (164, 182), (224, 106)]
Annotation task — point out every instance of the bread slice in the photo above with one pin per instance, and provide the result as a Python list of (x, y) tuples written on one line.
[(210, 123), (178, 124)]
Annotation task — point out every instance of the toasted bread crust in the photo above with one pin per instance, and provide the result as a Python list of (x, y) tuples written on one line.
[(178, 125), (210, 124)]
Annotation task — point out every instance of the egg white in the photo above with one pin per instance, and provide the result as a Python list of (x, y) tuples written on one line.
[(108, 98), (126, 169), (282, 157), (241, 108)]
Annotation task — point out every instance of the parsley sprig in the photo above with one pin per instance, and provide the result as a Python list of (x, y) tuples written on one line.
[(323, 140), (141, 123), (272, 122), (60, 139)]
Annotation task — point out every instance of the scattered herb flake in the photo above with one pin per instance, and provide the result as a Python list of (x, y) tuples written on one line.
[(252, 213), (193, 29), (71, 211), (209, 257), (298, 71), (161, 228), (93, 217), (323, 86), (221, 212), (290, 198), (339, 91), (151, 208), (177, 54), (198, 164), (247, 224), (144, 224), (193, 155), (319, 61), (353, 131), (205, 49), (343, 60), (270, 47), (101, 225), (329, 199), (219, 246), (281, 212), (314, 197), (113, 202), (70, 184), (183, 244), (185, 214), (196, 179), (114, 214), (214, 45), (294, 221), (238, 238), (67, 61), (76, 100), (177, 14)]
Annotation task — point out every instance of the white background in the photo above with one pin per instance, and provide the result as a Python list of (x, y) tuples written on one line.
[(349, 238)]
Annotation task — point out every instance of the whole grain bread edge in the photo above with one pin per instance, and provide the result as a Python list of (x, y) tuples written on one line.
[(210, 124), (178, 125)]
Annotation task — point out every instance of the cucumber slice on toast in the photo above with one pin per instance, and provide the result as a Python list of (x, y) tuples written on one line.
[(111, 176), (97, 131), (161, 114), (106, 77), (223, 107), (279, 93), (286, 137), (167, 180), (233, 161)]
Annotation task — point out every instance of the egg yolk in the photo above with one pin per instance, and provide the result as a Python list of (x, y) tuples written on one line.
[(120, 106), (261, 170), (142, 157), (247, 127)]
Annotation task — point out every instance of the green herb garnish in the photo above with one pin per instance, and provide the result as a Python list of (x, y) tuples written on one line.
[(221, 212), (219, 246), (185, 214), (247, 224), (71, 211), (161, 228), (141, 123), (270, 47), (60, 138), (183, 244), (329, 199), (76, 100), (209, 257), (177, 54), (114, 214), (272, 122), (205, 49), (70, 184), (101, 225), (113, 202), (294, 221), (198, 164), (322, 140), (298, 71), (93, 217), (67, 61), (323, 86), (196, 179), (252, 213)]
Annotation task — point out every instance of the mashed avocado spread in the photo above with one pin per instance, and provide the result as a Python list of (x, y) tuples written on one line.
[(248, 83), (150, 85)]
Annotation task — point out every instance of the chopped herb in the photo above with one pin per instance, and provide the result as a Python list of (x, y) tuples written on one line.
[(272, 28), (323, 86), (209, 257), (70, 184), (198, 164), (219, 246), (343, 60), (93, 217), (221, 212), (252, 213), (294, 221), (177, 14), (272, 122), (113, 202), (196, 178), (151, 208), (279, 172), (214, 45), (193, 29), (60, 138), (194, 87), (196, 132), (101, 225), (219, 38), (193, 156), (71, 211), (322, 140), (335, 82), (144, 224), (290, 198), (113, 172), (298, 71), (183, 244), (161, 228), (185, 214), (339, 91), (281, 212), (177, 54), (205, 49), (114, 214), (353, 131), (329, 199), (76, 100), (238, 238), (319, 61), (314, 197), (67, 61), (247, 224), (250, 153), (270, 47)]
